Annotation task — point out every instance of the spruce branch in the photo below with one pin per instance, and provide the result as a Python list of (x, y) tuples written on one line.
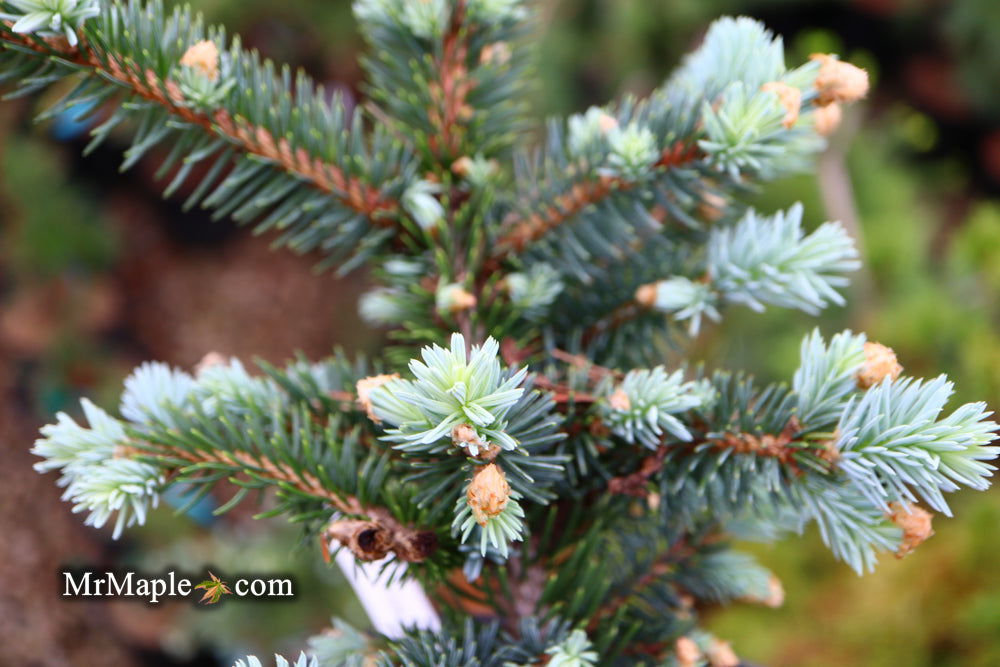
[(524, 450), (223, 423), (452, 89), (255, 140), (450, 74), (523, 232), (270, 164)]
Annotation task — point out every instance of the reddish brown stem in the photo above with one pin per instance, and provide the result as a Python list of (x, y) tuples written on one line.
[(387, 533), (657, 569), (635, 484), (522, 232), (451, 91)]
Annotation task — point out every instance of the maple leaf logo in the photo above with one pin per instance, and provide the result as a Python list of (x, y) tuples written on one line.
[(215, 588)]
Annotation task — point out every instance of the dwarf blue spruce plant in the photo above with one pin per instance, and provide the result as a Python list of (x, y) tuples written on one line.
[(533, 447)]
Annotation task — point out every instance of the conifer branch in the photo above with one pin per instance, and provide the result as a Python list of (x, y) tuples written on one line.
[(371, 539), (653, 572), (521, 232), (254, 140), (527, 467), (452, 88)]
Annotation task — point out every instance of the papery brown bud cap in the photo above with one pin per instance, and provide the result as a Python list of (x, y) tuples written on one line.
[(607, 123), (620, 401), (789, 97), (916, 524), (645, 296), (826, 119), (721, 654), (208, 361), (688, 653), (497, 53), (488, 493), (880, 363), (203, 56), (838, 81), (365, 387)]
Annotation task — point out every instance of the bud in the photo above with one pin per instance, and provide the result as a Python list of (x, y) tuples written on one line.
[(645, 296), (462, 165), (453, 298), (420, 202), (497, 53), (838, 81), (365, 387), (712, 206), (633, 148), (606, 123), (775, 596), (775, 593), (826, 119), (620, 401), (720, 654), (477, 171), (488, 493), (688, 653), (880, 362), (465, 436), (828, 450), (204, 57), (208, 361), (916, 524), (790, 98), (653, 501)]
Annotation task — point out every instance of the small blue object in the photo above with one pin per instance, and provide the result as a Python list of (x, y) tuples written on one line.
[(201, 512), (74, 121)]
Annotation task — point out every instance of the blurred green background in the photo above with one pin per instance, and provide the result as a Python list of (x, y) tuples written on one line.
[(98, 273)]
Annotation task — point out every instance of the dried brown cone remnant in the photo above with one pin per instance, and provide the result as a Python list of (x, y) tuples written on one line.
[(203, 56), (720, 654), (687, 652), (376, 538), (366, 539), (488, 493), (880, 362), (790, 98), (365, 387), (826, 119), (838, 81), (916, 524)]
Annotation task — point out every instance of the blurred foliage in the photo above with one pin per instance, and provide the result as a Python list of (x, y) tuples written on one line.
[(929, 230), (54, 233)]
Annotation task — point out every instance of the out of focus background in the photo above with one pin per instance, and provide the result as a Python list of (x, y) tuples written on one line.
[(98, 273)]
